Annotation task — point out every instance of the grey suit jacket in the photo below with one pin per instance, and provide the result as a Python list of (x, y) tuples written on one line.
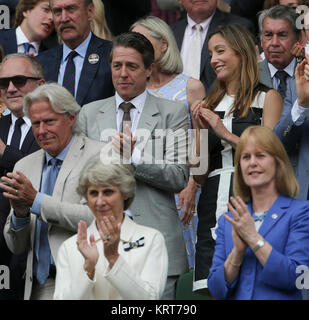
[(63, 210), (296, 141), (154, 203), (265, 77)]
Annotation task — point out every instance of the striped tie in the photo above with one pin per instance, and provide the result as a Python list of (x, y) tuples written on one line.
[(69, 73)]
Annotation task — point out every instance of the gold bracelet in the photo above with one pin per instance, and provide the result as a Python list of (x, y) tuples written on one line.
[(235, 264)]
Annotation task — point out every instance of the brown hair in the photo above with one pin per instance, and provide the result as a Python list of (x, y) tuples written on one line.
[(241, 41)]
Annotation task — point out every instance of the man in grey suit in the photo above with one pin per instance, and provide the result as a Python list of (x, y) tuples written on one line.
[(42, 187), (159, 127), (278, 33)]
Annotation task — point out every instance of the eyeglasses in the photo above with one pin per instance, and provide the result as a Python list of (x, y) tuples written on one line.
[(18, 81)]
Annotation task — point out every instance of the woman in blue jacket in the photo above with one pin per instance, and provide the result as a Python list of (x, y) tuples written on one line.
[(265, 235)]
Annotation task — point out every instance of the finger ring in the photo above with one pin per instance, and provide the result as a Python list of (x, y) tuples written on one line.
[(236, 219), (16, 192), (77, 242), (107, 238)]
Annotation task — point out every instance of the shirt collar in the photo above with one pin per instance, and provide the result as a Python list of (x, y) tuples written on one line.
[(21, 39), (138, 101), (288, 69), (62, 154), (14, 118), (81, 49), (204, 24)]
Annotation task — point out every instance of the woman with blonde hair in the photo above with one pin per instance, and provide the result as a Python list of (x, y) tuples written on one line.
[(237, 101), (98, 23), (264, 237)]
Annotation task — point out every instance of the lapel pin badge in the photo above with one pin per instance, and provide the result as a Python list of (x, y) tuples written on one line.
[(274, 216), (93, 58)]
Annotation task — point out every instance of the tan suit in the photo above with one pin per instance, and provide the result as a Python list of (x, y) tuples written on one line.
[(63, 210)]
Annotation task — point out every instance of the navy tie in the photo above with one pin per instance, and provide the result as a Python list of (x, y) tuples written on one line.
[(15, 141), (69, 73), (28, 46), (282, 76), (43, 253)]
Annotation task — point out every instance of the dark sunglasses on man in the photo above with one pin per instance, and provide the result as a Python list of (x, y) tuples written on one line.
[(18, 81)]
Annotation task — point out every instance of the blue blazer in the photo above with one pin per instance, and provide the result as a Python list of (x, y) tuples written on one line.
[(95, 81), (286, 228), (8, 41)]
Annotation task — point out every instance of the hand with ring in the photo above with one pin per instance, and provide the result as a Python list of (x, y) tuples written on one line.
[(110, 234)]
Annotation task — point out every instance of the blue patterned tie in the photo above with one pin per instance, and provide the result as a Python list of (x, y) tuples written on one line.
[(282, 76), (43, 253), (69, 73), (28, 46)]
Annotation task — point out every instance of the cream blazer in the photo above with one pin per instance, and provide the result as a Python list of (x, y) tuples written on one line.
[(138, 274)]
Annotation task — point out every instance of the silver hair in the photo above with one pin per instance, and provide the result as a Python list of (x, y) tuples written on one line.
[(170, 61), (108, 175), (36, 67), (59, 98), (280, 12)]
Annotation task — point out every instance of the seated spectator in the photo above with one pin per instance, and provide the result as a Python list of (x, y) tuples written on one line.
[(265, 235), (237, 101), (122, 260), (167, 81), (33, 24)]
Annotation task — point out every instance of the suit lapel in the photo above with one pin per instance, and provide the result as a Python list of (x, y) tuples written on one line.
[(54, 64), (5, 124), (106, 118), (70, 161), (265, 77), (36, 174), (275, 213), (88, 71), (147, 120)]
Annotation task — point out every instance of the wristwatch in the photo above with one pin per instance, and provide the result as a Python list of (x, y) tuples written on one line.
[(258, 245)]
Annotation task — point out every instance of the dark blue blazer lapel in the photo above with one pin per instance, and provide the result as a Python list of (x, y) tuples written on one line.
[(5, 124), (8, 41), (51, 60), (89, 70)]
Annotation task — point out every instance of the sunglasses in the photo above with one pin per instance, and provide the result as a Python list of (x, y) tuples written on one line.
[(18, 81)]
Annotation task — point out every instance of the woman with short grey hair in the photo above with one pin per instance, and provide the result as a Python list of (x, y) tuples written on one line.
[(114, 258)]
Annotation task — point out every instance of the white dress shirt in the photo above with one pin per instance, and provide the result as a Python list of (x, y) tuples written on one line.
[(21, 39), (25, 127)]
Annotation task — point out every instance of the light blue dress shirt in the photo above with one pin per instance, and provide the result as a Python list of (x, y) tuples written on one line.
[(78, 60)]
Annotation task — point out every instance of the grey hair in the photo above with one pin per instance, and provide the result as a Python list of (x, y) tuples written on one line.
[(170, 61), (280, 12), (59, 98), (108, 175), (36, 67)]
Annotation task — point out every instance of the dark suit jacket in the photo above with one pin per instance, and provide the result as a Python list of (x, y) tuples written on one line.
[(7, 163), (220, 18), (95, 81), (8, 41)]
